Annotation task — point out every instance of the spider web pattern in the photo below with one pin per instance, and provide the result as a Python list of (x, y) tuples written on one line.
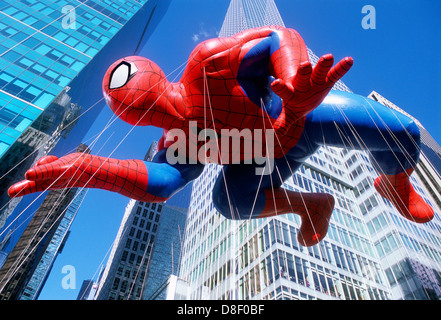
[(209, 93), (147, 98), (216, 62)]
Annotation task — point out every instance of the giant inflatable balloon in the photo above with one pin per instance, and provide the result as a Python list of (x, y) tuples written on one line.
[(258, 91)]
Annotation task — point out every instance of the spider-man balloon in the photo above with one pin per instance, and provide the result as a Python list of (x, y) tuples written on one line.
[(256, 80)]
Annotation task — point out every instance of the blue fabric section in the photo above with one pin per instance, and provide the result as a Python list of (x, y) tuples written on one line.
[(242, 187), (164, 179), (391, 138), (254, 76)]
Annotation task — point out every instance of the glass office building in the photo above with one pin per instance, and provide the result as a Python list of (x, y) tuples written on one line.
[(261, 258), (54, 247), (409, 252), (146, 250), (45, 45), (125, 273), (166, 252), (370, 252), (53, 56)]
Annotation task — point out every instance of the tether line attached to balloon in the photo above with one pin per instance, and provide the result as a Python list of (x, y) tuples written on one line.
[(217, 141)]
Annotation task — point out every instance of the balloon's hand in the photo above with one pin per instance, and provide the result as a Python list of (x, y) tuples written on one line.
[(310, 85), (52, 173)]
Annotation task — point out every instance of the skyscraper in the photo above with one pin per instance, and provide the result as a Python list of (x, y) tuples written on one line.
[(125, 273), (44, 46), (55, 247), (409, 251), (166, 253), (147, 248), (27, 266), (366, 255), (53, 57)]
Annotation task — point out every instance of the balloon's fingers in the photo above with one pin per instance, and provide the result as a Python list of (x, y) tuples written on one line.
[(50, 170), (282, 89), (45, 160), (339, 70), (322, 68), (302, 80), (25, 187)]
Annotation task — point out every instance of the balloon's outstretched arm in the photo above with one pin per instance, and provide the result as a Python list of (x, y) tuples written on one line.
[(77, 170)]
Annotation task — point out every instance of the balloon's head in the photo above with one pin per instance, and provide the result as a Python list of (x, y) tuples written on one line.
[(131, 86)]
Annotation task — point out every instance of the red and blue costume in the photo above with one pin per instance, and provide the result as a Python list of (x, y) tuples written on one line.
[(258, 79)]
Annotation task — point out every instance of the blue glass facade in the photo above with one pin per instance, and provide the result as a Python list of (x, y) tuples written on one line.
[(166, 252), (53, 56), (40, 54), (55, 246)]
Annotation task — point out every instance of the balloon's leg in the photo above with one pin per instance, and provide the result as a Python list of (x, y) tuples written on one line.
[(400, 192), (315, 210)]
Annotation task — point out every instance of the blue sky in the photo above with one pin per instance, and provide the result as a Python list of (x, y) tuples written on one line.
[(400, 59)]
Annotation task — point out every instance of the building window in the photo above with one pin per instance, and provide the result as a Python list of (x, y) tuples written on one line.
[(124, 286), (115, 283), (124, 256)]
